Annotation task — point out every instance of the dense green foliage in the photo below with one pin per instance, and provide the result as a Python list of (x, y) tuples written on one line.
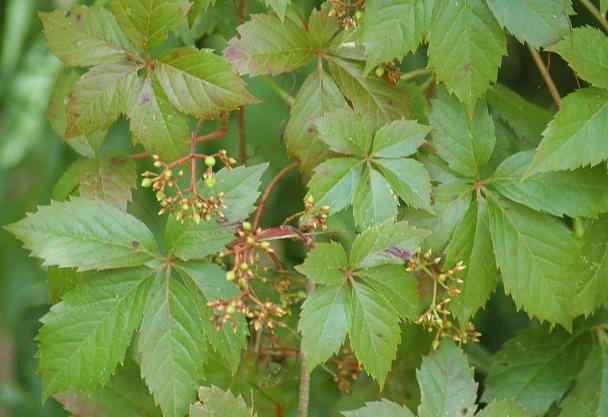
[(438, 246)]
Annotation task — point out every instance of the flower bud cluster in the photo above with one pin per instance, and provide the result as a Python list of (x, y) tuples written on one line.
[(348, 13)]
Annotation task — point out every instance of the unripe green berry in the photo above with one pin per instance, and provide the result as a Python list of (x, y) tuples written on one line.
[(265, 245), (160, 195), (158, 164), (246, 226), (359, 15), (380, 71), (244, 266), (231, 309), (147, 182), (230, 275), (196, 217), (250, 240), (168, 173), (242, 282), (210, 182), (210, 161)]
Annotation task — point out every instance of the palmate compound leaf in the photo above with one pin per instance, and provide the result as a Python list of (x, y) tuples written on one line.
[(446, 383), (586, 51), (87, 235), (578, 193), (200, 83), (538, 22), (472, 245), (535, 368), (172, 345), (85, 36), (589, 397), (147, 22), (538, 258), (379, 409), (214, 402), (465, 143), (574, 138), (466, 46), (86, 335)]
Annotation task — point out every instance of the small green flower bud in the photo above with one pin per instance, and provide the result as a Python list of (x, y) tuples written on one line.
[(147, 182), (160, 195), (158, 164), (250, 240), (242, 282), (210, 161), (231, 309), (196, 217), (210, 182), (168, 173), (246, 226), (265, 245), (230, 275), (380, 71), (359, 15), (310, 199), (244, 266)]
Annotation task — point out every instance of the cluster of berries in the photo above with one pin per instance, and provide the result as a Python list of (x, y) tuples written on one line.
[(350, 14)]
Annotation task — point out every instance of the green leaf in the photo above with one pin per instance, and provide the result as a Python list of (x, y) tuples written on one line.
[(399, 287), (279, 7), (586, 51), (240, 186), (503, 408), (326, 264), (318, 95), (589, 397), (374, 201), (604, 7), (322, 27), (399, 139), (409, 179), (109, 179), (374, 332), (172, 345), (269, 46), (155, 123), (574, 137), (147, 23), (538, 22), (392, 28), (200, 83), (526, 119), (379, 408), (472, 245), (375, 98), (98, 98), (198, 6), (86, 335), (466, 144), (385, 242), (324, 322), (578, 193), (188, 240), (334, 183), (535, 368), (83, 36), (466, 47), (217, 403), (537, 256), (345, 132), (125, 395), (85, 234), (594, 248), (446, 383), (62, 280)]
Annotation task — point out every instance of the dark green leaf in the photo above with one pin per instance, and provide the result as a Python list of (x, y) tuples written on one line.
[(409, 180), (326, 264), (374, 200), (335, 181), (345, 132)]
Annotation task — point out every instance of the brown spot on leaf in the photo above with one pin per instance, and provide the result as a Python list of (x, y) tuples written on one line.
[(117, 161), (79, 17), (135, 244)]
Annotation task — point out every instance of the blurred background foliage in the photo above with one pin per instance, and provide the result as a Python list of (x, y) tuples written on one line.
[(33, 158)]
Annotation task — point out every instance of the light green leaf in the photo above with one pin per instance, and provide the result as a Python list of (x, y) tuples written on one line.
[(324, 322), (318, 95), (594, 249), (446, 383), (503, 408), (155, 123), (345, 132), (399, 139), (374, 332), (198, 6), (148, 22), (200, 83), (466, 47), (188, 240), (392, 28), (574, 138), (466, 144), (578, 193), (85, 234), (589, 397), (379, 409), (322, 27), (409, 179), (535, 368), (326, 264), (374, 201), (217, 403), (334, 183), (604, 7), (472, 245), (109, 179), (62, 280), (86, 335), (537, 256), (85, 36), (172, 345), (279, 7), (399, 287), (386, 242), (269, 46), (98, 98), (586, 51), (375, 98), (538, 22)]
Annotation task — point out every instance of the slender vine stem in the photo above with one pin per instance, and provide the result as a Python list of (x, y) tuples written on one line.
[(596, 13), (546, 76), (304, 391), (271, 186)]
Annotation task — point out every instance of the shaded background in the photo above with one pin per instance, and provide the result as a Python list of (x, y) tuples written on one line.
[(32, 158)]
